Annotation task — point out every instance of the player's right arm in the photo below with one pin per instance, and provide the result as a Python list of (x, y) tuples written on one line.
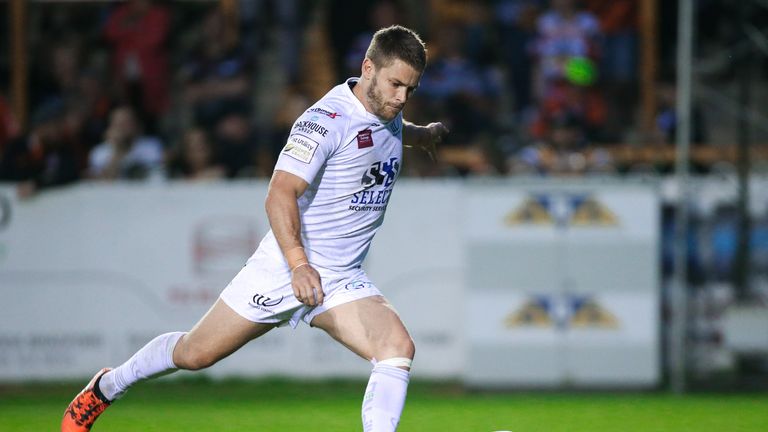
[(283, 213)]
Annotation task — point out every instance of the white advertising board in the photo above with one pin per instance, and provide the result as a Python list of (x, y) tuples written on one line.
[(488, 278), (562, 284)]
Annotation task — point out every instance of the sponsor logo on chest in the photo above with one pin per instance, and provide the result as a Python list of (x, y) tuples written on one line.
[(364, 139), (377, 182)]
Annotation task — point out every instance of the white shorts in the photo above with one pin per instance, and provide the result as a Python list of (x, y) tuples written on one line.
[(262, 292)]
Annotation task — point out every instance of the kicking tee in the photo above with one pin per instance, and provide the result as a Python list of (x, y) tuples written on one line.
[(350, 158)]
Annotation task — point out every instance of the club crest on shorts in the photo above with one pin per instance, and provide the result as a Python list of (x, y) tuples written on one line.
[(364, 139), (264, 303)]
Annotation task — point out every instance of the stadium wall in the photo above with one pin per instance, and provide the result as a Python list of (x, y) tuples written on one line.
[(500, 283)]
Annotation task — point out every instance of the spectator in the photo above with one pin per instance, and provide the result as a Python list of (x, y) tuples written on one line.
[(666, 117), (43, 158), (278, 25), (458, 90), (569, 99), (9, 127), (293, 101), (517, 31), (239, 149), (125, 152), (93, 106), (58, 73), (474, 18), (564, 31), (194, 158), (618, 25), (618, 69), (61, 76), (383, 13), (562, 152), (137, 30), (342, 31), (216, 77)]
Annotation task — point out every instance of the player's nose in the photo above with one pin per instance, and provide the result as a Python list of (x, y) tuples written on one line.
[(401, 95)]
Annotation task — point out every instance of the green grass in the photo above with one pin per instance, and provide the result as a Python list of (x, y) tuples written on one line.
[(281, 405)]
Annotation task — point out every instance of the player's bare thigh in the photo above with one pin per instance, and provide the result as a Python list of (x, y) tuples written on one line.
[(218, 334), (369, 327)]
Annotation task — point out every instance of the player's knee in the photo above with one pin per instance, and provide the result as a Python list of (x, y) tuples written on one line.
[(398, 354), (195, 358), (200, 360), (399, 347)]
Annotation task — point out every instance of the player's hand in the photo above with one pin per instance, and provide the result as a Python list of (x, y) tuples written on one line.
[(307, 286), (435, 133)]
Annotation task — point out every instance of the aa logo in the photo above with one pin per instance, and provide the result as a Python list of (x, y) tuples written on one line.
[(534, 313), (562, 313), (532, 211), (564, 210), (381, 174), (589, 211)]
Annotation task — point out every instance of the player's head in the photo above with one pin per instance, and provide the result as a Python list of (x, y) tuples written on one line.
[(392, 69)]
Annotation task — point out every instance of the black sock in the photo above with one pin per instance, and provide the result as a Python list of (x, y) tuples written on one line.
[(97, 390)]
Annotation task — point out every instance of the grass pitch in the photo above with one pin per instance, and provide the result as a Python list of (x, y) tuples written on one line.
[(283, 405)]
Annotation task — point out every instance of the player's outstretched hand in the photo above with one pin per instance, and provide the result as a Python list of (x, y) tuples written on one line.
[(435, 133), (307, 286)]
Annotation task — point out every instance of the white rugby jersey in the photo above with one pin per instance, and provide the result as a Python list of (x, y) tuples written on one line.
[(350, 158)]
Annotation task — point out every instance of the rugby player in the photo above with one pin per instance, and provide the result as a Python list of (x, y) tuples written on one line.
[(326, 200)]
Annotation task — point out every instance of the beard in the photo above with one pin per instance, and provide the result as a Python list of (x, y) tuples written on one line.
[(378, 104)]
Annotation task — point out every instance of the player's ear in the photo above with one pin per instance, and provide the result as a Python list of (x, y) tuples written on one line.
[(368, 68)]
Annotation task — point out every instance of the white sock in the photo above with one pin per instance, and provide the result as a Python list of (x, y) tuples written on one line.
[(154, 359), (384, 398)]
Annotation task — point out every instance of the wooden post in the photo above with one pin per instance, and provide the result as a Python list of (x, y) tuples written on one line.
[(648, 64), (231, 12), (18, 25)]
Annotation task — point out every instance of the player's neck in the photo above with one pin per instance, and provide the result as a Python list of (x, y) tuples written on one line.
[(359, 91)]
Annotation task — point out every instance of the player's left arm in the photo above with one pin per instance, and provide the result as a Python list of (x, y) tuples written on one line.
[(424, 137)]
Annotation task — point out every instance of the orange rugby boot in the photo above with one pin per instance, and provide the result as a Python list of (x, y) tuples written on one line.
[(87, 406)]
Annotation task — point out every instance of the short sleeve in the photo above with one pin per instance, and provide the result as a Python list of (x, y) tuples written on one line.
[(314, 138)]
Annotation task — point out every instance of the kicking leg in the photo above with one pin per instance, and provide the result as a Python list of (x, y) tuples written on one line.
[(218, 334), (372, 329)]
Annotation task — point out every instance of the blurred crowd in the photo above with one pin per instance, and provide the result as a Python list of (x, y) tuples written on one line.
[(153, 90), (150, 91)]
